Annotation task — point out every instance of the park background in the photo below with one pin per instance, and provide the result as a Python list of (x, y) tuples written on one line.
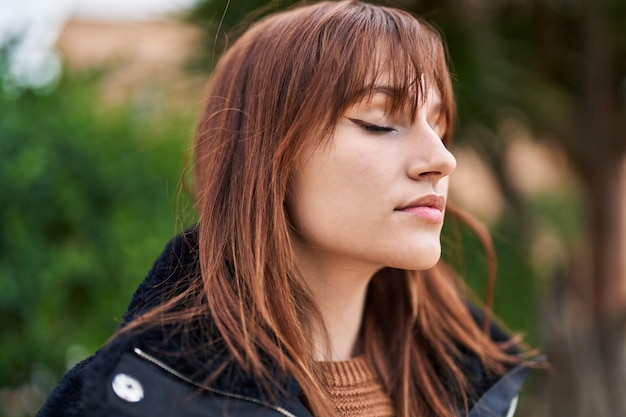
[(97, 117)]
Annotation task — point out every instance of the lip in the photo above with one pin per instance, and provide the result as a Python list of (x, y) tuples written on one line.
[(429, 207)]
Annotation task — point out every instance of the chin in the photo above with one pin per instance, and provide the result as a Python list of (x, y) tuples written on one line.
[(420, 260), (431, 264), (422, 266)]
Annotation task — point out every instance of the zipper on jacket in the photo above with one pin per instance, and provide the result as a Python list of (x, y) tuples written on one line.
[(178, 375)]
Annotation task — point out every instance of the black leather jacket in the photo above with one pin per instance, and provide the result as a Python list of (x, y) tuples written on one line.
[(140, 374)]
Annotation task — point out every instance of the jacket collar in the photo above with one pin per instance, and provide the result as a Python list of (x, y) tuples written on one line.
[(172, 271)]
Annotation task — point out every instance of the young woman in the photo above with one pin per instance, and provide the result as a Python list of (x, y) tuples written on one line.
[(311, 284)]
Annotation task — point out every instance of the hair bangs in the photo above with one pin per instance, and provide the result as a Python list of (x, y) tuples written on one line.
[(394, 53)]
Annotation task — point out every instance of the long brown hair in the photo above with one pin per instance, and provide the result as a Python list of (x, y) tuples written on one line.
[(282, 85)]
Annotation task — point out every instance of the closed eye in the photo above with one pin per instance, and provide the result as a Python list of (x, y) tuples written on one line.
[(372, 128)]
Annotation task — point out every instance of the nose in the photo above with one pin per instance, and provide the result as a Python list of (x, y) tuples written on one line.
[(430, 158)]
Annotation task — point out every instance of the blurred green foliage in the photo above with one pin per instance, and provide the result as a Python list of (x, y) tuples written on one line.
[(89, 198)]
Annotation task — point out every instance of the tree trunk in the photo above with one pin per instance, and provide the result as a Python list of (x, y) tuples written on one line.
[(587, 313)]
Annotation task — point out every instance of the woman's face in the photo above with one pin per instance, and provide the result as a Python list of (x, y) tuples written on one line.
[(375, 195)]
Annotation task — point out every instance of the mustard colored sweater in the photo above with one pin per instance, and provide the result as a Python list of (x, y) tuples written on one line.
[(355, 389)]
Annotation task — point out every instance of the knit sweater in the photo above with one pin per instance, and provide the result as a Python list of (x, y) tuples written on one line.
[(355, 389)]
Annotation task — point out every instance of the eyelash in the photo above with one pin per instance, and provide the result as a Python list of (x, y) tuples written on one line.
[(372, 128)]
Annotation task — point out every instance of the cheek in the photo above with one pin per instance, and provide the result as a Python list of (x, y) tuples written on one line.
[(350, 173), (338, 198), (319, 194)]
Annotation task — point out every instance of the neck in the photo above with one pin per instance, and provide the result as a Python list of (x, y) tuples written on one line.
[(338, 287)]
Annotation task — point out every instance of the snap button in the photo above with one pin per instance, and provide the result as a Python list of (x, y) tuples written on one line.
[(127, 388)]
